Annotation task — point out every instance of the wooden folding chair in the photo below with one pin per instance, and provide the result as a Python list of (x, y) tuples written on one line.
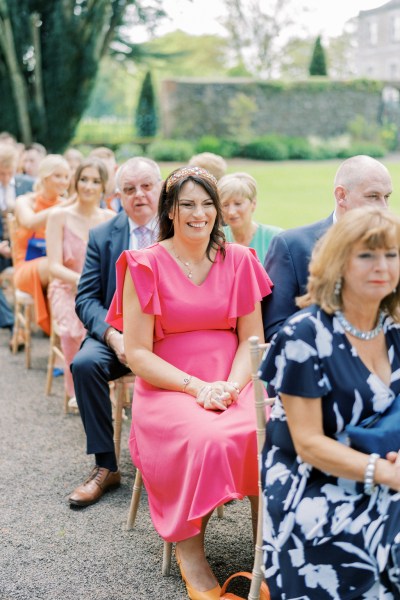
[(54, 353), (123, 392), (24, 304), (257, 350)]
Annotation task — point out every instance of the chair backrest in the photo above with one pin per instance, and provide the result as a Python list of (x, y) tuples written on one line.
[(257, 351)]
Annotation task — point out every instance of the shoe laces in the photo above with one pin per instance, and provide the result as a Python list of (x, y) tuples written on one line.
[(96, 474)]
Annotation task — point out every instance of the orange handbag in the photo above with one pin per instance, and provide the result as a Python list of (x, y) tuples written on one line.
[(264, 591)]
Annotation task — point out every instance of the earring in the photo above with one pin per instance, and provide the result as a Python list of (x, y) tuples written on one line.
[(395, 290), (338, 287)]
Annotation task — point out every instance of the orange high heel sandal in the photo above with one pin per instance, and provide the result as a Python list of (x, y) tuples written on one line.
[(213, 594)]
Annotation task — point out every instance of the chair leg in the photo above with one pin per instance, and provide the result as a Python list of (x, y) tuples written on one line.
[(136, 492), (119, 405), (50, 368), (28, 326), (166, 563), (66, 407)]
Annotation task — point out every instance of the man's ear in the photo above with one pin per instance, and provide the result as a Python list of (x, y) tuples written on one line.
[(340, 195)]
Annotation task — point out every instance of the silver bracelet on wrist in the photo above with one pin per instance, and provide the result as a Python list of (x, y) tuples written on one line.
[(112, 332), (186, 381), (369, 483), (235, 385)]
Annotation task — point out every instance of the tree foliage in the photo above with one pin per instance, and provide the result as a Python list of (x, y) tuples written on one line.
[(49, 56), (318, 61), (146, 112), (257, 32)]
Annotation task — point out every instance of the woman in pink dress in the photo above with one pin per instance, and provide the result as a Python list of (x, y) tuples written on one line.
[(66, 236), (189, 303)]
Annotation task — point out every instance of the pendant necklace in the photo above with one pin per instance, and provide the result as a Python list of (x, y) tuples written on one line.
[(361, 335), (185, 263)]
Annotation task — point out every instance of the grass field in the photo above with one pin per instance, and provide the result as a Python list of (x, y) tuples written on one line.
[(298, 192)]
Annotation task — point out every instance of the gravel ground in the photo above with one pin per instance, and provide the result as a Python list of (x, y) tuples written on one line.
[(51, 552)]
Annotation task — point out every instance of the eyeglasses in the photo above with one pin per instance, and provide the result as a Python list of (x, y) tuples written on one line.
[(131, 190)]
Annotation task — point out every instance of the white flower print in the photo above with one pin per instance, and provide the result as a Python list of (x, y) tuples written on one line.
[(280, 364), (323, 576), (311, 515), (299, 351), (383, 396), (323, 339)]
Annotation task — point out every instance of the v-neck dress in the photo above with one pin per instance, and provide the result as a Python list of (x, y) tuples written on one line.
[(192, 460), (324, 538)]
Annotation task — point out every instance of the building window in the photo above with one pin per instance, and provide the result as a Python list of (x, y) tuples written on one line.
[(396, 28), (373, 33)]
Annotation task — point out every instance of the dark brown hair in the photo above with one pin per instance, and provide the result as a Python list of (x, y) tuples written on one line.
[(169, 204)]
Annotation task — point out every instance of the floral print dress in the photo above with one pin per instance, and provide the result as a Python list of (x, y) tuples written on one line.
[(323, 537)]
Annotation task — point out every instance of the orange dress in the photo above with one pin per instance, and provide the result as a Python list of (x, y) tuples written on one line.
[(26, 276)]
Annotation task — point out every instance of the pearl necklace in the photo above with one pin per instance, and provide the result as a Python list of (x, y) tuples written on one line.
[(361, 335)]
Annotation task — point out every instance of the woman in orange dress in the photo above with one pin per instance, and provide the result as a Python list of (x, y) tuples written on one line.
[(32, 211)]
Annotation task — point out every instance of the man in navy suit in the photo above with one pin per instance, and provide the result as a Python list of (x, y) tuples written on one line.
[(101, 357), (359, 181)]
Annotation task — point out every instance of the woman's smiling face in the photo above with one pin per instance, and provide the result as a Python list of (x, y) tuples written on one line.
[(194, 214)]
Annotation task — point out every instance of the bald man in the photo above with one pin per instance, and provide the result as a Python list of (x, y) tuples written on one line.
[(359, 181)]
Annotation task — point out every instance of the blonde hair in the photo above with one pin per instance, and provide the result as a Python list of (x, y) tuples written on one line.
[(374, 227), (102, 152), (237, 184), (47, 166), (213, 163)]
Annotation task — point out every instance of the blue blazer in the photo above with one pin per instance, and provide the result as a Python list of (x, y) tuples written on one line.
[(23, 184), (287, 263), (97, 283)]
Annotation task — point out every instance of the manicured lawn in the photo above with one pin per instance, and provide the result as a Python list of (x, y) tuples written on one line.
[(297, 192)]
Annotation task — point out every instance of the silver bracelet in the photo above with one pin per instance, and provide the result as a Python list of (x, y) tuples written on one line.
[(109, 335), (235, 385), (369, 483), (186, 381)]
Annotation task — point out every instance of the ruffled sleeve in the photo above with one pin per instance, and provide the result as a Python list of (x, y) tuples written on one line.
[(139, 264), (251, 282), (293, 364)]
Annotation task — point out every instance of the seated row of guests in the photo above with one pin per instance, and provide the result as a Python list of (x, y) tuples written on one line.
[(187, 305)]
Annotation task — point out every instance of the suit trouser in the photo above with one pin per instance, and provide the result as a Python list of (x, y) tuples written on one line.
[(92, 368), (6, 314)]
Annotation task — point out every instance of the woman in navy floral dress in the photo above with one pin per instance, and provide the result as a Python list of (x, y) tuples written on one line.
[(332, 513)]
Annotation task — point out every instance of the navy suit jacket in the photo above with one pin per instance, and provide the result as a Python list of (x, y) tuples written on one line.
[(287, 263), (23, 184), (97, 283)]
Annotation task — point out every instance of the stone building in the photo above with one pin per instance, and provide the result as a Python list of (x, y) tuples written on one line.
[(378, 53)]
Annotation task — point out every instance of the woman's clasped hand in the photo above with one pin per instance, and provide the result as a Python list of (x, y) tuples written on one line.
[(218, 395)]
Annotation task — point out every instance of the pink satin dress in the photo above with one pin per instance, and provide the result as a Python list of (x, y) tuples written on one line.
[(192, 460), (61, 296)]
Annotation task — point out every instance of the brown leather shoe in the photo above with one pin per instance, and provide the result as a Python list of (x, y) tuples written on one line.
[(99, 481)]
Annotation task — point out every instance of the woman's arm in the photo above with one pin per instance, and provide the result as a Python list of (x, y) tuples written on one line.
[(54, 248), (25, 214), (304, 417), (247, 326)]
